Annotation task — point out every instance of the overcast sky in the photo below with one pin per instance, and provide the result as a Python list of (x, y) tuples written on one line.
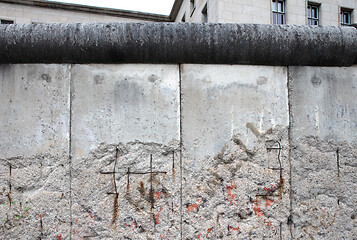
[(151, 6)]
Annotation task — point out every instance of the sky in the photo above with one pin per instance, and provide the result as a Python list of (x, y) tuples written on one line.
[(151, 6)]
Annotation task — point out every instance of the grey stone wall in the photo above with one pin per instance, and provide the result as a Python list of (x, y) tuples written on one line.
[(143, 151)]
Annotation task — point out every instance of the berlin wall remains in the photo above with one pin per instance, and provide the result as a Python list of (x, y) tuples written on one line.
[(178, 131)]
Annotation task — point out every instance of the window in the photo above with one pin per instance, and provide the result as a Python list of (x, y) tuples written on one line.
[(204, 14), (313, 14), (278, 7), (345, 17), (6, 21), (192, 6)]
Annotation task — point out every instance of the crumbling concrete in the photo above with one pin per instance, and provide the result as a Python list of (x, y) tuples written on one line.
[(177, 152), (323, 156), (235, 158), (34, 152), (126, 152)]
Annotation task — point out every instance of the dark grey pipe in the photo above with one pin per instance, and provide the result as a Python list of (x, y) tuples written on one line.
[(178, 43)]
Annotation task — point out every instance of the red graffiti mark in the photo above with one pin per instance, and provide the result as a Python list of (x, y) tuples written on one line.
[(199, 236), (157, 195), (233, 228), (55, 227), (40, 216), (270, 189), (59, 237), (269, 223), (163, 237), (132, 226), (76, 220), (192, 207), (157, 221), (208, 231), (258, 212), (74, 232), (91, 216), (268, 202), (256, 208), (230, 195)]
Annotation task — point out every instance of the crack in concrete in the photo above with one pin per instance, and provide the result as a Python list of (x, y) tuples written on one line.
[(70, 147), (181, 148), (289, 87)]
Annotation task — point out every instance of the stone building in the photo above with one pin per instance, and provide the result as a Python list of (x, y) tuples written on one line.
[(40, 11), (300, 12)]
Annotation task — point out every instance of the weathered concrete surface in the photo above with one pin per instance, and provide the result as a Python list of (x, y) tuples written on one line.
[(122, 117), (220, 102), (233, 187), (34, 156), (124, 180), (323, 157), (178, 43)]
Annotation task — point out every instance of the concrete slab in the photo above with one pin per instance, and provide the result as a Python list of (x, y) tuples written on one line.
[(125, 145), (235, 162), (34, 151), (323, 155)]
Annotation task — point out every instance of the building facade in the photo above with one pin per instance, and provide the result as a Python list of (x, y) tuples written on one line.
[(40, 11), (299, 12)]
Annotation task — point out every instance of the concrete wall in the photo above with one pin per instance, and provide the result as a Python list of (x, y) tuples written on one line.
[(142, 151)]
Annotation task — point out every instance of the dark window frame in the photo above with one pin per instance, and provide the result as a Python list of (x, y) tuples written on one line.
[(204, 14), (278, 12), (6, 21), (192, 7), (313, 14), (346, 16)]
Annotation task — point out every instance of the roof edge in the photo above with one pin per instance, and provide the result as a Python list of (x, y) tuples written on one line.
[(92, 9)]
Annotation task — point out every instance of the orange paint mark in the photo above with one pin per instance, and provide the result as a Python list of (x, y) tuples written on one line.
[(269, 189), (199, 236), (157, 221), (163, 237), (132, 226), (230, 195), (192, 207), (233, 228), (208, 231), (59, 237), (156, 195), (257, 211), (40, 216), (268, 202)]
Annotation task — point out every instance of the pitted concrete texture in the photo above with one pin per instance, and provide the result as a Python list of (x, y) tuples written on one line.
[(219, 102), (323, 156), (34, 152), (126, 155), (256, 44), (143, 151), (323, 102), (235, 158), (324, 189), (239, 193)]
